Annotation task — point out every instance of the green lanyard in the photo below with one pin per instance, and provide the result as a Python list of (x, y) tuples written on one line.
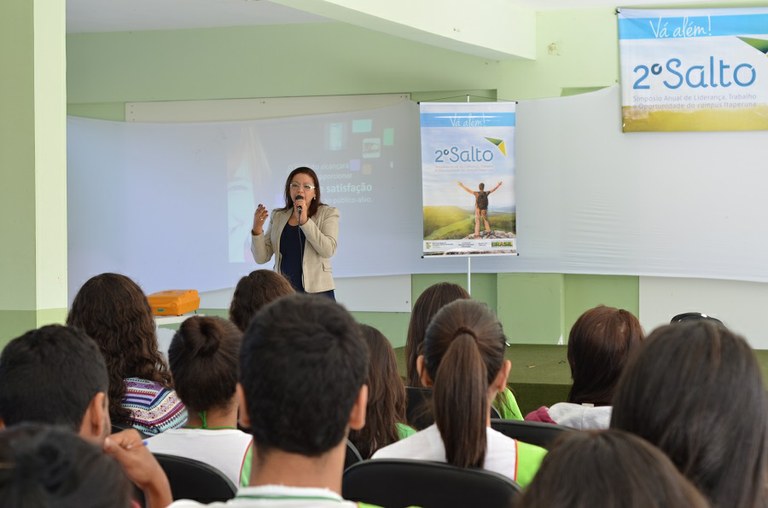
[(205, 426)]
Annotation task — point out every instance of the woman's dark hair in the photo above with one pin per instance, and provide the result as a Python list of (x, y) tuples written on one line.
[(695, 391), (113, 310), (253, 292), (315, 202), (42, 466), (204, 359), (599, 345), (608, 468), (386, 396), (427, 304), (463, 354)]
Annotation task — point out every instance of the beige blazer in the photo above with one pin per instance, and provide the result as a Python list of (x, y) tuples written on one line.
[(321, 231)]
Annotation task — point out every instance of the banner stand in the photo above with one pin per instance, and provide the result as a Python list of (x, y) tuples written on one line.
[(469, 275)]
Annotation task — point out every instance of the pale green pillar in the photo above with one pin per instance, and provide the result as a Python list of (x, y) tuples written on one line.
[(33, 165)]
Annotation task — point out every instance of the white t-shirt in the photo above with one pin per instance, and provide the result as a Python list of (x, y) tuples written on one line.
[(224, 449), (581, 416), (500, 456), (278, 496)]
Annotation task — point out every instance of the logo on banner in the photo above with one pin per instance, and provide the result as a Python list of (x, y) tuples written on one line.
[(694, 69)]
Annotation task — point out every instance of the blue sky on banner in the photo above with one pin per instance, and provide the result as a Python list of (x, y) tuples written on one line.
[(467, 119), (460, 143), (675, 23)]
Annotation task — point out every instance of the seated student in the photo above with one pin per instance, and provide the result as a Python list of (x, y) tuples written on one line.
[(434, 298), (695, 390), (43, 465), (56, 375), (113, 310), (608, 468), (386, 398), (253, 292), (204, 359), (599, 345), (463, 361), (303, 365)]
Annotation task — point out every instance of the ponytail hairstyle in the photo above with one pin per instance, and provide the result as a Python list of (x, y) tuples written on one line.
[(386, 396), (463, 353), (204, 358), (426, 306)]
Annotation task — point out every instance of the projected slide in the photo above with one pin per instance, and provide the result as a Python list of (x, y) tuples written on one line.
[(354, 157), (172, 204)]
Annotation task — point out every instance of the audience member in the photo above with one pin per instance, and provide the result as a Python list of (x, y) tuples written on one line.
[(462, 359), (434, 298), (204, 360), (608, 468), (385, 413), (600, 342), (254, 291), (47, 466), (303, 366), (695, 391), (693, 316), (113, 310), (56, 375)]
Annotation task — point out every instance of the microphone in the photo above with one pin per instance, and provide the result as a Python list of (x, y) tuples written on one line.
[(299, 207)]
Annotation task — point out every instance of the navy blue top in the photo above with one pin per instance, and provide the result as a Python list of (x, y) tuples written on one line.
[(292, 250)]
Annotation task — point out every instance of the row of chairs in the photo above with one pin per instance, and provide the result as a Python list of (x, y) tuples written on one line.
[(420, 483)]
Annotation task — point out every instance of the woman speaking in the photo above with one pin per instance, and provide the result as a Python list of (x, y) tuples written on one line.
[(302, 235)]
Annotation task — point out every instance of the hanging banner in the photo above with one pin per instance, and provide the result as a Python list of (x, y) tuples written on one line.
[(694, 69), (468, 172)]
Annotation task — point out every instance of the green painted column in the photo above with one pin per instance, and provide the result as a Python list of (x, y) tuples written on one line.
[(33, 169), (530, 307)]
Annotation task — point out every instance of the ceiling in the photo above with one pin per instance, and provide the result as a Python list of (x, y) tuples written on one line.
[(137, 15)]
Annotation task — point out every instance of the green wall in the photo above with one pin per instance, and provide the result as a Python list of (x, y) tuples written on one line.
[(33, 227), (576, 50)]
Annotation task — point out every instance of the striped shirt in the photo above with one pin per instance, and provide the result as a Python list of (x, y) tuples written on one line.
[(154, 408)]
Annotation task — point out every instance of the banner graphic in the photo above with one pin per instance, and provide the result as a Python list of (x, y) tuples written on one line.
[(694, 69), (468, 178)]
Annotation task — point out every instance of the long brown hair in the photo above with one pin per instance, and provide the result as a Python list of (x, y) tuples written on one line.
[(113, 310), (424, 309), (386, 396), (695, 390), (608, 468), (599, 345), (463, 353)]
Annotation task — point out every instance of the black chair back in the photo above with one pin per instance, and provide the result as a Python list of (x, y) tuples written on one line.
[(353, 455), (535, 433), (399, 483), (418, 407), (192, 479)]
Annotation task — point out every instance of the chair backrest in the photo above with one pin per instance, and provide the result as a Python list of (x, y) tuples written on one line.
[(418, 411), (536, 433), (353, 455), (404, 482), (192, 479), (119, 427)]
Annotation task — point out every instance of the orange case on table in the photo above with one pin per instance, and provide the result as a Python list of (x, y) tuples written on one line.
[(174, 302)]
